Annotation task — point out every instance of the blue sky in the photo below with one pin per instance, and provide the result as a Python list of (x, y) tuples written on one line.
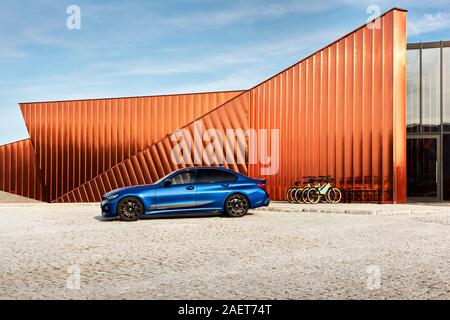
[(128, 48)]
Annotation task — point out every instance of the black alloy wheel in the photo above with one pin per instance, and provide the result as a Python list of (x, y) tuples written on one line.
[(130, 209), (236, 206)]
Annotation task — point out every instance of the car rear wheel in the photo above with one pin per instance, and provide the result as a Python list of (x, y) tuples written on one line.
[(236, 206), (130, 209)]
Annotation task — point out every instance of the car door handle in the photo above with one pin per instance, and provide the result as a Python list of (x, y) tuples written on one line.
[(190, 188), (225, 185)]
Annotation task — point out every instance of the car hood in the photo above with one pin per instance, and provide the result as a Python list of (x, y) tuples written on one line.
[(131, 189)]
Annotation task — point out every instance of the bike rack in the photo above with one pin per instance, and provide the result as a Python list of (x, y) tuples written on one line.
[(362, 196), (311, 181), (348, 195)]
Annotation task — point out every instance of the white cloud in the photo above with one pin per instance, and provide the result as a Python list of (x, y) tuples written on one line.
[(10, 52), (242, 80), (405, 4), (428, 23), (289, 48), (247, 12)]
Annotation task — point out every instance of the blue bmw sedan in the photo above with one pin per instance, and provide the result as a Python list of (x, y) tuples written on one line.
[(198, 189)]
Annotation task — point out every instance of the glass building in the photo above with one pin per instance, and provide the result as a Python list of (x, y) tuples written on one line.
[(428, 121)]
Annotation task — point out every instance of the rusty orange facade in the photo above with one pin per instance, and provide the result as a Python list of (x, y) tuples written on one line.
[(19, 173), (339, 112), (342, 112), (75, 141), (156, 161)]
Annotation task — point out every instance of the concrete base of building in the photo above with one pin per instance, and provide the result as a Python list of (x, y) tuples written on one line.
[(359, 208)]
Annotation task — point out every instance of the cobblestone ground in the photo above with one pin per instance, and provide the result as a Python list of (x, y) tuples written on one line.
[(265, 255)]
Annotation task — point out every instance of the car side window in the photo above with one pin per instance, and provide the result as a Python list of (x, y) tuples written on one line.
[(215, 176), (183, 178)]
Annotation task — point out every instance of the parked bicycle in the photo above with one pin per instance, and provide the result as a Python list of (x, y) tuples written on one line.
[(290, 192), (295, 194), (301, 195), (314, 190), (324, 191)]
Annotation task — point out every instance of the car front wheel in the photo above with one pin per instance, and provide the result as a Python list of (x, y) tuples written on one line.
[(236, 206), (130, 209)]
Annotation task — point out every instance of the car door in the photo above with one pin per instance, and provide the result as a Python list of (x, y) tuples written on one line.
[(180, 194), (213, 186)]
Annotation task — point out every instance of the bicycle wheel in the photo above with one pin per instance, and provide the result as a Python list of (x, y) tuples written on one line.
[(288, 192), (298, 195), (292, 195), (334, 195), (305, 195), (313, 195)]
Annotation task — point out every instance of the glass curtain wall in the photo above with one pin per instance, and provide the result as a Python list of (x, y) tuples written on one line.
[(446, 122), (431, 90), (446, 88), (428, 116), (413, 91)]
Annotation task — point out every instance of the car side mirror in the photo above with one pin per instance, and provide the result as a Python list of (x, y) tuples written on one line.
[(168, 182)]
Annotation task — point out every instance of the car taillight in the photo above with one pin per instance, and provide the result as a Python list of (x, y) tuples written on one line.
[(262, 185)]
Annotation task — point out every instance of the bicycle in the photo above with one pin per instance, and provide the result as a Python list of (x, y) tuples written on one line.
[(294, 194), (300, 194), (290, 192), (325, 191)]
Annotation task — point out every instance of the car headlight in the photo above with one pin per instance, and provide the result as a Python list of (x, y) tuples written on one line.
[(111, 197)]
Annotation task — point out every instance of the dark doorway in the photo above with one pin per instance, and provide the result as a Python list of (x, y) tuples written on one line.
[(446, 168), (423, 168)]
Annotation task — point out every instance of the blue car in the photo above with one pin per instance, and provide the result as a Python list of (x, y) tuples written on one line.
[(198, 189)]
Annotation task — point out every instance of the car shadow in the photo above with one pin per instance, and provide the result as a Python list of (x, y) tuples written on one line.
[(103, 219), (165, 216)]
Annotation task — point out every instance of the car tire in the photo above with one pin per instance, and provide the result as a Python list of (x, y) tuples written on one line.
[(130, 209), (236, 206)]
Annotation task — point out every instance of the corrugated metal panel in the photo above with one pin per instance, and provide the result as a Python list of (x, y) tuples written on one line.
[(399, 116), (155, 162), (18, 172), (77, 140), (341, 112)]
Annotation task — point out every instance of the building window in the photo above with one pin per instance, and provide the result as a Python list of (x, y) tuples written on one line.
[(446, 88), (413, 91), (431, 90)]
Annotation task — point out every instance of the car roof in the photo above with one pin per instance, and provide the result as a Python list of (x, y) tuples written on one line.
[(209, 168), (213, 168)]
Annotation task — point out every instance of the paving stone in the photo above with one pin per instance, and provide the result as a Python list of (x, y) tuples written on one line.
[(277, 252)]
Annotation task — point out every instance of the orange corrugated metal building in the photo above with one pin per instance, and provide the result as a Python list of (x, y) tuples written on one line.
[(154, 162), (75, 141), (19, 173), (339, 112)]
